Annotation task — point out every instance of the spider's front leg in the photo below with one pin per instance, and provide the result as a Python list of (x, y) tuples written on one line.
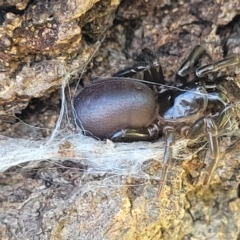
[(211, 68), (207, 125)]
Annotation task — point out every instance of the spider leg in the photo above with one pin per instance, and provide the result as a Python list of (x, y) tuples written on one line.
[(144, 134), (130, 72), (149, 64), (182, 73), (211, 68), (154, 74), (167, 159), (191, 60), (212, 156)]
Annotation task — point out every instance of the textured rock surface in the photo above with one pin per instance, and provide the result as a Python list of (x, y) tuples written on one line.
[(42, 40), (62, 202)]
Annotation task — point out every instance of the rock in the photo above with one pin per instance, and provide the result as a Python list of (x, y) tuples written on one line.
[(42, 42), (61, 199)]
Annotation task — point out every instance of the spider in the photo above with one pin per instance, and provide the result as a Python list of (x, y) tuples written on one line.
[(122, 108)]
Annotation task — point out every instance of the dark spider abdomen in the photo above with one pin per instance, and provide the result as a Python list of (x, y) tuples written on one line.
[(111, 105)]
